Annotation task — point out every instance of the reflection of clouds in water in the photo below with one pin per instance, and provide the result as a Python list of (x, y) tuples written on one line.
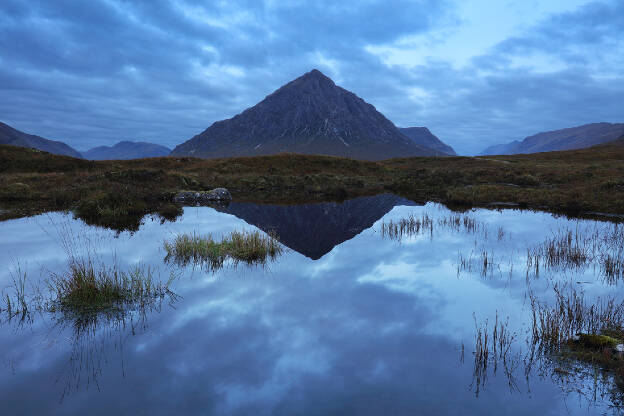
[(373, 326)]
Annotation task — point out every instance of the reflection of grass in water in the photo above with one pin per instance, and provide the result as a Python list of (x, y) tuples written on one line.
[(492, 348), (407, 226), (95, 334), (600, 247), (588, 332), (250, 247), (572, 339), (97, 305), (88, 284), (412, 225), (583, 338)]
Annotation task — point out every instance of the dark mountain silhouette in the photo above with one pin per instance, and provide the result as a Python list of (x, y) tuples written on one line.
[(315, 229), (423, 137), (126, 150), (310, 115), (567, 139), (9, 135)]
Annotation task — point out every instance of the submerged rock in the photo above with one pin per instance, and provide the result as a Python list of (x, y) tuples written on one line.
[(218, 195)]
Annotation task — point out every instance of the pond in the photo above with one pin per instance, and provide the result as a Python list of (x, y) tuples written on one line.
[(376, 305)]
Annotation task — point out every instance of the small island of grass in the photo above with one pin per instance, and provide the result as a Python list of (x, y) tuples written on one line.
[(250, 247)]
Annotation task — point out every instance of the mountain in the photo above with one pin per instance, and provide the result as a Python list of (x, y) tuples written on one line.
[(126, 150), (423, 137), (502, 149), (9, 135), (315, 229), (567, 139), (310, 115)]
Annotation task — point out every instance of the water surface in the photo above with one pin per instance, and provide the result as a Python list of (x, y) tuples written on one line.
[(347, 321)]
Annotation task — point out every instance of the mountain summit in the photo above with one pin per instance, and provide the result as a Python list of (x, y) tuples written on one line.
[(309, 115)]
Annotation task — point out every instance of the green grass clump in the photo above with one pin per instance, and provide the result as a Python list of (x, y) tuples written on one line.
[(596, 341), (250, 247), (87, 287)]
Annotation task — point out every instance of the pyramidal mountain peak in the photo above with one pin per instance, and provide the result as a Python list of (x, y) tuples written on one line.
[(308, 115)]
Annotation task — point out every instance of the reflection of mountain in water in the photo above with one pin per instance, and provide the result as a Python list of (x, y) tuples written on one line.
[(315, 229)]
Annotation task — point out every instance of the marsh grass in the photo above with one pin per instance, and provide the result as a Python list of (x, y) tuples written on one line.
[(492, 348), (88, 286), (412, 225), (484, 263), (600, 246), (407, 227), (553, 327), (18, 303), (249, 247)]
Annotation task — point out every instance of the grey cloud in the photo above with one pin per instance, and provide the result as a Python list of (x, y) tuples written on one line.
[(92, 73)]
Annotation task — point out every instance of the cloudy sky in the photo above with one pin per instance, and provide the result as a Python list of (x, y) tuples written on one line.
[(476, 72)]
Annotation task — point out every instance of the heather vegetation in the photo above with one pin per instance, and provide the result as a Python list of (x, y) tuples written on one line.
[(118, 194)]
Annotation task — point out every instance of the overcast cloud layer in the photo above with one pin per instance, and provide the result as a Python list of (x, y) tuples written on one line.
[(95, 72)]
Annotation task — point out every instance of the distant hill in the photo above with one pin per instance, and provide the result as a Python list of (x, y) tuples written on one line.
[(423, 137), (310, 115), (567, 139), (11, 136), (126, 150)]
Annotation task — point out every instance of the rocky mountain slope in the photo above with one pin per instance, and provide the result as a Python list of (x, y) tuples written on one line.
[(9, 135), (310, 115), (566, 139), (423, 137), (126, 150)]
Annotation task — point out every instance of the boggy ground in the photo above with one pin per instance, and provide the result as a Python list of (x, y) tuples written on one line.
[(118, 194)]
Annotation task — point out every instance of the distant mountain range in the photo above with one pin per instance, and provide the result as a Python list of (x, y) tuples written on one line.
[(310, 115), (11, 136), (566, 139), (126, 150), (121, 151)]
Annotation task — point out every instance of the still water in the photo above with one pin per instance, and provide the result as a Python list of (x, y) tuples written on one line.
[(346, 321)]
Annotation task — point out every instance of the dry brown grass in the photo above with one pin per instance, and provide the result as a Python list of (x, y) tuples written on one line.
[(119, 193)]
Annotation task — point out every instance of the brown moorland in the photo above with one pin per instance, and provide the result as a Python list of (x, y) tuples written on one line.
[(118, 194)]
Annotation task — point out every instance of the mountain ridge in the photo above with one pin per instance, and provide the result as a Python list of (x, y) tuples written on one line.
[(125, 150), (14, 137), (579, 137), (308, 115), (424, 137)]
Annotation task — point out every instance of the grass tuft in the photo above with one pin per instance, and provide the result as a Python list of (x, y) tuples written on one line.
[(250, 247), (87, 287)]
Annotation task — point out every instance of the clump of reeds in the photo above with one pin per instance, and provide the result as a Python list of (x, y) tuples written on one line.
[(600, 247), (485, 263), (412, 225), (460, 223), (86, 286), (250, 247), (554, 326), (491, 348), (612, 265), (564, 249), (408, 226), (18, 304)]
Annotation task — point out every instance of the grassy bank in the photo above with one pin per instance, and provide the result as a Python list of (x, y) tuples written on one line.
[(118, 193)]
